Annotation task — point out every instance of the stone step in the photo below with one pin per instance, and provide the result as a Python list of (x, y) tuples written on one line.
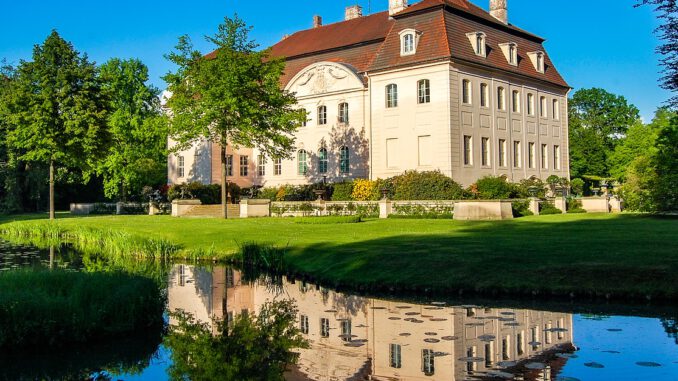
[(213, 211)]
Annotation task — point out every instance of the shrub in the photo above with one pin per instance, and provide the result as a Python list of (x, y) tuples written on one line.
[(521, 209), (342, 191), (268, 193), (577, 186), (363, 190), (207, 194), (577, 211), (548, 208), (381, 184), (423, 211), (495, 188), (434, 185), (526, 187)]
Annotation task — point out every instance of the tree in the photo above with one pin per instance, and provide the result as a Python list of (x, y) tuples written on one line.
[(668, 31), (58, 110), (598, 121), (137, 155), (231, 96), (666, 159)]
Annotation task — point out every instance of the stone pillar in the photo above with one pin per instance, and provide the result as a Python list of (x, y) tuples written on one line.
[(385, 208), (118, 208), (561, 204), (152, 209), (534, 206), (244, 211), (615, 205)]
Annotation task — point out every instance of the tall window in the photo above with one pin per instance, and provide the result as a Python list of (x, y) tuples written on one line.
[(516, 101), (502, 153), (261, 165), (468, 150), (513, 54), (392, 95), (181, 166), (346, 330), (244, 165), (277, 167), (302, 162), (408, 43), (229, 165), (344, 160), (395, 356), (556, 157), (480, 44), (535, 338), (542, 107), (303, 322), (540, 62), (556, 109), (471, 365), (485, 154), (531, 155), (322, 160), (466, 91), (501, 99), (322, 115), (324, 327), (547, 333), (424, 91), (530, 104), (505, 352), (520, 343), (343, 113), (489, 355), (427, 362), (484, 95), (544, 156), (517, 154)]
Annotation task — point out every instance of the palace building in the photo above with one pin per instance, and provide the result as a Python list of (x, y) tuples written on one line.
[(435, 85)]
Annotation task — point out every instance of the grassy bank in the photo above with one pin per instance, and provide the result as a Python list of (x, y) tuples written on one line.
[(629, 256), (57, 307)]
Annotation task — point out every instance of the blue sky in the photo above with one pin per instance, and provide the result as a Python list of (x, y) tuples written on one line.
[(594, 43)]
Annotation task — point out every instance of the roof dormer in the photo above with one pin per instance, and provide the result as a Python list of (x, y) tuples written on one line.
[(510, 50), (479, 43), (409, 39), (537, 59)]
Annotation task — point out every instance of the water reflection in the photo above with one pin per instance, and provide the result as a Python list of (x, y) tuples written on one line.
[(353, 338)]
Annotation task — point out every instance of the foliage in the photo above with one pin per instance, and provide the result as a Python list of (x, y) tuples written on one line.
[(577, 186), (232, 96), (526, 187), (248, 348), (207, 194), (521, 208), (363, 190), (413, 185), (343, 191), (665, 192), (546, 208), (329, 220), (494, 188), (57, 308), (138, 155), (421, 211)]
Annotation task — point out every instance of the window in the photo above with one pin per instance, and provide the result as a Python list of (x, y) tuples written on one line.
[(346, 330), (468, 150), (485, 152), (229, 165), (540, 62), (480, 44), (489, 355), (544, 156), (501, 99), (466, 92), (548, 334), (261, 165), (424, 91), (181, 169), (303, 321), (230, 278), (556, 157), (343, 113), (344, 160), (407, 43), (535, 338), (322, 160), (324, 327), (516, 101), (559, 325), (505, 352), (502, 153), (277, 167), (520, 344), (424, 150), (302, 162), (322, 115), (471, 365), (427, 362), (392, 95), (484, 95), (244, 165), (542, 107), (530, 104), (513, 54), (517, 154), (556, 110), (392, 153), (531, 155), (395, 356)]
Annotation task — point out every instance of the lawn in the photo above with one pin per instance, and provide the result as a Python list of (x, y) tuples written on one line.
[(629, 256)]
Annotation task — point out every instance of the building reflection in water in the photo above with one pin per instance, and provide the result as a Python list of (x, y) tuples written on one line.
[(358, 338)]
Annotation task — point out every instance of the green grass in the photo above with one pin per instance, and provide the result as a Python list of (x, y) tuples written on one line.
[(624, 256), (55, 308)]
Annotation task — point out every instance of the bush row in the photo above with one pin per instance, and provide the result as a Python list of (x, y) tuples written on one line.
[(207, 194)]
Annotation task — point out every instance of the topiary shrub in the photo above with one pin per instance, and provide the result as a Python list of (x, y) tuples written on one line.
[(548, 208), (434, 185), (342, 191), (494, 188)]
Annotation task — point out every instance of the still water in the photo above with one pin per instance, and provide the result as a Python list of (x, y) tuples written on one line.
[(358, 338)]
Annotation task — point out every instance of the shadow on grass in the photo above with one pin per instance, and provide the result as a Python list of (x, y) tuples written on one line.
[(627, 256), (8, 218)]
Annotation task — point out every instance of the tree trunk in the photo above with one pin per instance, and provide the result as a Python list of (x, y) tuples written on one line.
[(51, 190), (224, 184), (123, 192)]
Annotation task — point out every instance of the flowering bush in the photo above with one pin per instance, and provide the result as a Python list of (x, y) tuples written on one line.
[(363, 190)]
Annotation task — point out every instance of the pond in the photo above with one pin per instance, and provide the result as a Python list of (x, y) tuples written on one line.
[(353, 337)]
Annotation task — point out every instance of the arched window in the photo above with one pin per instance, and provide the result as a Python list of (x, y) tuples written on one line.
[(343, 113), (322, 115), (542, 107), (513, 54), (408, 43), (530, 104), (466, 91), (302, 162), (480, 44), (424, 91), (344, 160), (501, 99), (322, 160), (516, 101), (484, 95), (392, 95), (540, 62)]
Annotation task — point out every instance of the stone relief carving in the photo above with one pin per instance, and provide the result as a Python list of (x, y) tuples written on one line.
[(322, 78)]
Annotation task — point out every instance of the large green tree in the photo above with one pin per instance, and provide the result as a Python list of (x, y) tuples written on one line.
[(231, 96), (137, 155), (598, 122), (58, 110), (666, 190)]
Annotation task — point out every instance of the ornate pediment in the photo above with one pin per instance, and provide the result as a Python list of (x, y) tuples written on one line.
[(324, 77)]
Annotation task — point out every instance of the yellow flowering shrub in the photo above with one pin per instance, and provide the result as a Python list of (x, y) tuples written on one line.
[(362, 190)]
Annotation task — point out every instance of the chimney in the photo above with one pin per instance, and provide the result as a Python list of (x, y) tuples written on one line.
[(499, 10), (395, 6), (317, 21), (353, 12)]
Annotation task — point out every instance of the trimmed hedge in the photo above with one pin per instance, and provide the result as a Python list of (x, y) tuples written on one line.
[(207, 194)]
